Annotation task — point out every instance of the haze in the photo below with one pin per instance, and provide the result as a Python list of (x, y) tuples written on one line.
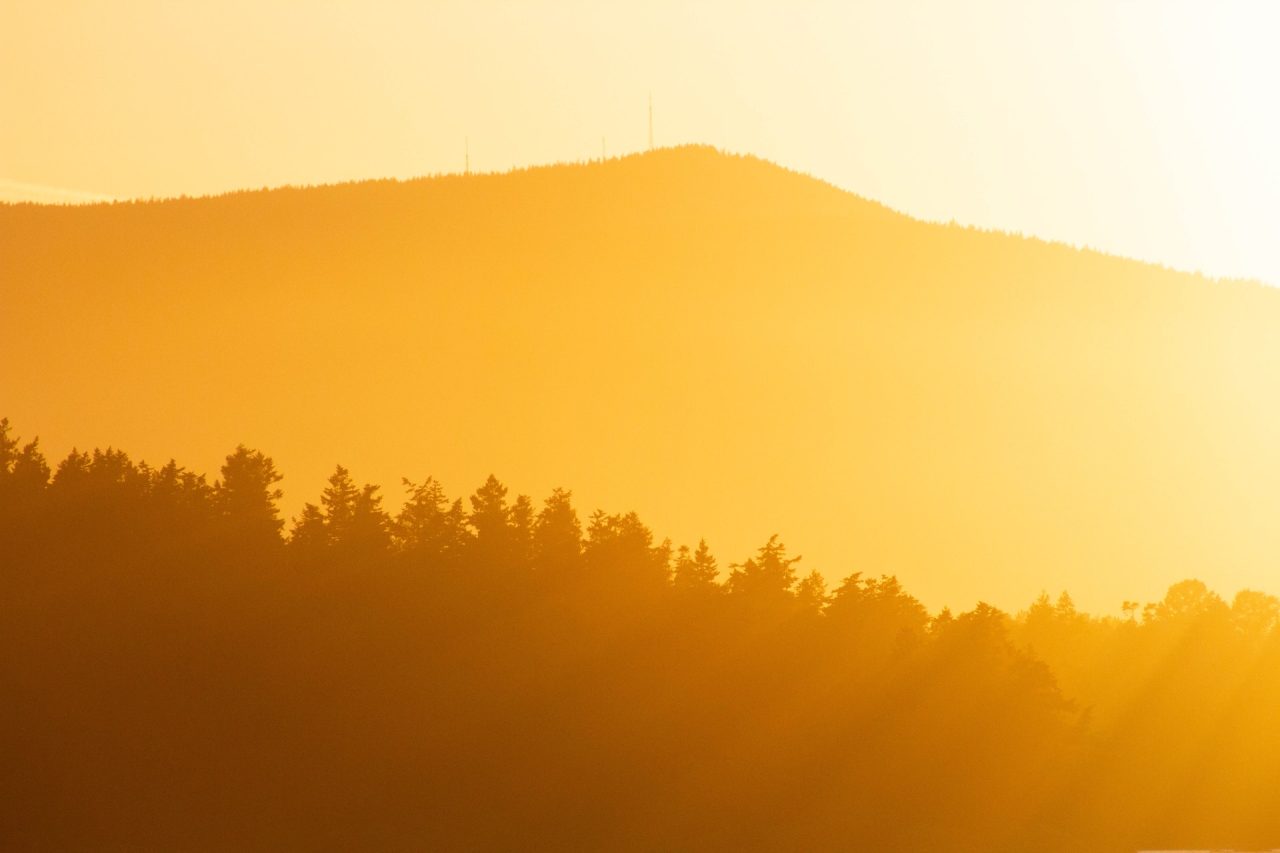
[(1141, 128), (647, 426)]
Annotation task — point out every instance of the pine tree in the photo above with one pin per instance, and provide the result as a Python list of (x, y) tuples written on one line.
[(696, 572), (429, 530), (490, 519), (246, 495), (310, 535), (811, 593), (557, 539), (769, 576)]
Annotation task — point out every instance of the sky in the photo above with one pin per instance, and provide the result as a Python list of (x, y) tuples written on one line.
[(1142, 128)]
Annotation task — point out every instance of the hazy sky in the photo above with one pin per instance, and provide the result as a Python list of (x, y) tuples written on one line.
[(1145, 128)]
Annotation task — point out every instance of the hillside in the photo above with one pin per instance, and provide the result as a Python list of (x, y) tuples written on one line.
[(729, 348)]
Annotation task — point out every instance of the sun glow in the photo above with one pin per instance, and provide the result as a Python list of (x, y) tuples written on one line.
[(780, 493)]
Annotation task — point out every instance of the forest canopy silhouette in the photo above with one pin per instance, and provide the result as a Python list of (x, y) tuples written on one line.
[(183, 667)]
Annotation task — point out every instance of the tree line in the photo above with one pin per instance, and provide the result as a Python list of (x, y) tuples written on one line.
[(183, 668)]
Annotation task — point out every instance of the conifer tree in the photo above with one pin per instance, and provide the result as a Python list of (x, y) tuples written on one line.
[(246, 495)]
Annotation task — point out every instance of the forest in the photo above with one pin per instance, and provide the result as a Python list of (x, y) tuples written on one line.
[(183, 668)]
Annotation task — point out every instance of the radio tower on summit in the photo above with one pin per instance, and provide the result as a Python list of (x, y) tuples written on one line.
[(651, 121)]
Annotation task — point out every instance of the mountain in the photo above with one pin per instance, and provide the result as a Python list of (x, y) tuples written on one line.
[(730, 348)]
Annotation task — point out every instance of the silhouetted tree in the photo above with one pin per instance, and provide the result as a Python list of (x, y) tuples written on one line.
[(493, 543), (1187, 600), (811, 593), (619, 549), (429, 530), (768, 577), (23, 470), (369, 531), (522, 523), (246, 495), (1130, 609), (350, 520), (310, 535), (24, 477), (876, 615), (696, 572), (557, 539), (1255, 614)]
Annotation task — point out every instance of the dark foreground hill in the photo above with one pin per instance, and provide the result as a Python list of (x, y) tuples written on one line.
[(725, 346)]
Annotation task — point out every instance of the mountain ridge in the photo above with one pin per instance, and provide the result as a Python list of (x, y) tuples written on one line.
[(559, 167)]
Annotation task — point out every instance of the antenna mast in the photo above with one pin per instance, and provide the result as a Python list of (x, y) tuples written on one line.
[(651, 121)]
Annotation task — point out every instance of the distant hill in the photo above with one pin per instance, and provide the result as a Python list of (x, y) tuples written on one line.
[(730, 348)]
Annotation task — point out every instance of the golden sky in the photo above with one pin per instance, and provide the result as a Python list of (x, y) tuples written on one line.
[(1144, 128)]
